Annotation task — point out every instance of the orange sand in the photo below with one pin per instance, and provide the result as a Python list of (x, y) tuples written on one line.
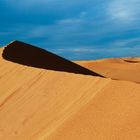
[(38, 104), (116, 68)]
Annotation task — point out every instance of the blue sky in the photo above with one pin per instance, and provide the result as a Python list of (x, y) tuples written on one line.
[(75, 29)]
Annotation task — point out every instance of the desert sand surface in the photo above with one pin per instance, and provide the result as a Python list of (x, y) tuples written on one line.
[(115, 68), (37, 103)]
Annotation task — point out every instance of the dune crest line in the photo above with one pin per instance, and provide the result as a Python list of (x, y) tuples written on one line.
[(26, 54)]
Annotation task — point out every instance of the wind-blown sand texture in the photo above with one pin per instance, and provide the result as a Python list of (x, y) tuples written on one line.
[(41, 102)]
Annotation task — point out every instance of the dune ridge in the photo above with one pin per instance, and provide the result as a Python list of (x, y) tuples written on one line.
[(47, 104), (30, 55)]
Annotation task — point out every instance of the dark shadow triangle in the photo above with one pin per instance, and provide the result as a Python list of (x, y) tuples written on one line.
[(30, 55)]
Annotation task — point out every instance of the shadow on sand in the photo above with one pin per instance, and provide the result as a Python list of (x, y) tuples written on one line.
[(29, 55)]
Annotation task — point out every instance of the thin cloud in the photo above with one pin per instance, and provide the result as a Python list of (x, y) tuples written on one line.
[(69, 21), (77, 50), (124, 11)]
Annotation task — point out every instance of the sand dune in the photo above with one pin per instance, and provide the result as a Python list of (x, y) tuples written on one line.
[(49, 104), (116, 68)]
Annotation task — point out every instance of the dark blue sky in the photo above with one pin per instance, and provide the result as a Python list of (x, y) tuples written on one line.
[(75, 29)]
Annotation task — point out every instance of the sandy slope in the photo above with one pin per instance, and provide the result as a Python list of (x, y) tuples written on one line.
[(34, 102), (116, 68), (38, 104), (113, 114)]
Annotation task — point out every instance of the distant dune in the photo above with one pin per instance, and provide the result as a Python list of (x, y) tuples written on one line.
[(46, 97), (116, 68)]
